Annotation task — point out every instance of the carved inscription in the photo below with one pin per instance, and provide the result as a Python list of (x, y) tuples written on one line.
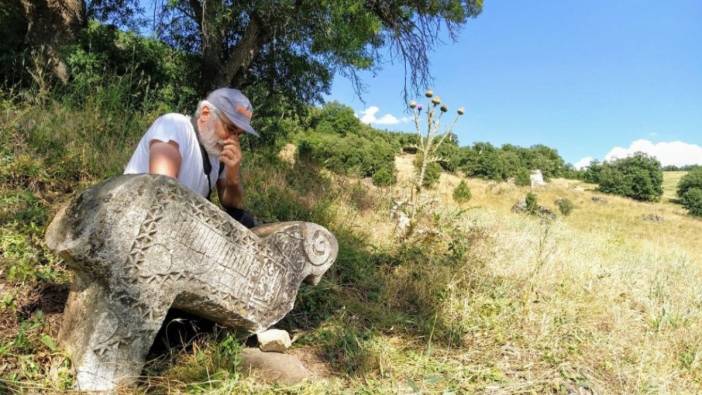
[(183, 252)]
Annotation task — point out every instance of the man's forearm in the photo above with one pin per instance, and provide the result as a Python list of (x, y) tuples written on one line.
[(231, 190), (232, 195)]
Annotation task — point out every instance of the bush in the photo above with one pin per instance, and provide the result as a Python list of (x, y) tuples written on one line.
[(532, 203), (693, 179), (565, 206), (523, 178), (639, 177), (352, 154), (335, 118), (385, 176), (692, 201), (461, 193)]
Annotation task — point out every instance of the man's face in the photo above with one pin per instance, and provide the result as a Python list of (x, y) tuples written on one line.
[(226, 129), (215, 130)]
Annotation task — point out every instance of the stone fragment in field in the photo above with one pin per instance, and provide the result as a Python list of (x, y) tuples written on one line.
[(653, 218), (599, 199), (273, 340), (536, 178), (274, 367), (141, 244)]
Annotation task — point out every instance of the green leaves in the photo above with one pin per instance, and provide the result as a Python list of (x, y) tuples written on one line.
[(639, 177)]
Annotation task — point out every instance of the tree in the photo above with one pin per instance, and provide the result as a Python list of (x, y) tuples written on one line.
[(693, 179), (639, 177), (47, 25), (692, 201), (335, 117), (297, 45)]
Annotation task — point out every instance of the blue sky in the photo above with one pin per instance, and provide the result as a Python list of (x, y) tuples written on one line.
[(582, 77)]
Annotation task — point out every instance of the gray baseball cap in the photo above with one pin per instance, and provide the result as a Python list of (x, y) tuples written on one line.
[(235, 106)]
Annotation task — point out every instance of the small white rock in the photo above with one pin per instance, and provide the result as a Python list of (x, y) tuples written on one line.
[(274, 340)]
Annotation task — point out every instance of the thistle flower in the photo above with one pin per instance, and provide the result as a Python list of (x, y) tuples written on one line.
[(428, 93), (413, 104), (444, 108), (460, 111), (419, 107), (436, 100)]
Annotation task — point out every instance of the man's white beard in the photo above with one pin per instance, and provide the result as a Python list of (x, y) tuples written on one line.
[(209, 139)]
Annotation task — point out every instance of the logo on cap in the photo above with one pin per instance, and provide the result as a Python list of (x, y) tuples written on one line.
[(244, 111)]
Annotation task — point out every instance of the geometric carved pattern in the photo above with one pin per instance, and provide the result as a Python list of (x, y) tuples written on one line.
[(140, 244)]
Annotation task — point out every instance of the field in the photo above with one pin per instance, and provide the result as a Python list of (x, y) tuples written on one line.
[(480, 299)]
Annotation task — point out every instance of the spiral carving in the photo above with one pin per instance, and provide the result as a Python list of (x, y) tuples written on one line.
[(319, 246)]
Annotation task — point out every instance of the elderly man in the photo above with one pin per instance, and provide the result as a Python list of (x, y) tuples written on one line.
[(201, 149)]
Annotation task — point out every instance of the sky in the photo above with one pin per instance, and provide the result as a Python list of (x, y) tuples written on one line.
[(594, 79)]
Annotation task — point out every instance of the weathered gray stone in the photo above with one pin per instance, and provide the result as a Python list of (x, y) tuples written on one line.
[(140, 244), (536, 178), (273, 340), (274, 367)]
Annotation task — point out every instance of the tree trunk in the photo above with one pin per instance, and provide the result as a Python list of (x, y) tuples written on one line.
[(222, 65), (50, 25)]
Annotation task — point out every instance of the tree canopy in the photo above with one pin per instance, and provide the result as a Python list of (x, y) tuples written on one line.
[(295, 47)]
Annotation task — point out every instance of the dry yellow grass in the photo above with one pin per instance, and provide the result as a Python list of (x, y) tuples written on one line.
[(604, 300), (670, 184)]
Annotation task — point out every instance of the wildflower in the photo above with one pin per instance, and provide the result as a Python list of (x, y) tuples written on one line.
[(436, 100), (413, 104), (444, 108), (428, 93), (460, 111)]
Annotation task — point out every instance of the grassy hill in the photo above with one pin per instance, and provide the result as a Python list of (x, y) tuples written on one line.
[(479, 299), (670, 184)]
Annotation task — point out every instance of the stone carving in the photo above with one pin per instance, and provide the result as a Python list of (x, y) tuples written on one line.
[(140, 244)]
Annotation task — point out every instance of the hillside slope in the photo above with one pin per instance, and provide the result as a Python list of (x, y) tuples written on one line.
[(481, 299)]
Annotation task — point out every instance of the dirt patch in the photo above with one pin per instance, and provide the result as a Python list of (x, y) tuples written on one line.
[(313, 360)]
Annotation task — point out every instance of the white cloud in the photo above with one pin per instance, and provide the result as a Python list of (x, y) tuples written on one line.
[(675, 153), (368, 116), (584, 162)]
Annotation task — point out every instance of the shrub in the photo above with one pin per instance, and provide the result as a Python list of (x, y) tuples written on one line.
[(522, 178), (692, 201), (639, 177), (351, 154), (385, 176), (565, 206), (461, 193), (532, 203), (693, 179), (335, 118)]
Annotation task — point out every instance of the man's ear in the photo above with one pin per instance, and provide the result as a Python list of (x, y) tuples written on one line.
[(205, 113)]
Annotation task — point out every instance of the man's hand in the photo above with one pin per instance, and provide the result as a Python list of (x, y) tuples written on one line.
[(231, 193), (231, 156)]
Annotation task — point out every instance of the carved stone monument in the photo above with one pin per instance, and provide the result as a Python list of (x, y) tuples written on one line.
[(140, 244)]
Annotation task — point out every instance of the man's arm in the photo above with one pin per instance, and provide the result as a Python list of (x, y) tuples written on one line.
[(229, 187), (164, 158)]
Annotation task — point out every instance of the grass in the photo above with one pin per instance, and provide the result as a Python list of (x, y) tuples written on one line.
[(605, 300), (670, 184)]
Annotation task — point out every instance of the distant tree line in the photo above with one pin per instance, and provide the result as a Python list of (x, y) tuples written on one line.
[(336, 138), (680, 168)]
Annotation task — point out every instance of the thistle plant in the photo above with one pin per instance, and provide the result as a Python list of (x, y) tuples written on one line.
[(430, 137)]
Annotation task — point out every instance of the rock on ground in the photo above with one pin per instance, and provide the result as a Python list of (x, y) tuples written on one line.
[(274, 367), (273, 340)]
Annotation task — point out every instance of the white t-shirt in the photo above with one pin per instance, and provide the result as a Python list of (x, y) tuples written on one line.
[(177, 128)]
